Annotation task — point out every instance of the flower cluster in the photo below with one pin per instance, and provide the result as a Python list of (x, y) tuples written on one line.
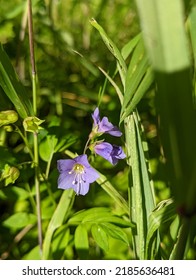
[(110, 152), (77, 173)]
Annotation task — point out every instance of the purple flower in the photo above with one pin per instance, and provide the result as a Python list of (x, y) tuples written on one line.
[(104, 126), (76, 173), (112, 153)]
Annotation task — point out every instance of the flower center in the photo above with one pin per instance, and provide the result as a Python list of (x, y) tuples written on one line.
[(79, 171), (78, 168)]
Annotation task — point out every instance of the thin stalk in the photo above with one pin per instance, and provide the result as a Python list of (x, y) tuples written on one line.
[(36, 153)]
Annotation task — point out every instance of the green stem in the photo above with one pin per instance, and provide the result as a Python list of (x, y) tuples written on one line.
[(36, 153), (25, 141), (37, 190)]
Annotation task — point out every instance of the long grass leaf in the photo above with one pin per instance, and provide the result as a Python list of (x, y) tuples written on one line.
[(141, 192), (118, 91), (112, 192), (113, 49), (57, 219), (164, 212), (12, 86)]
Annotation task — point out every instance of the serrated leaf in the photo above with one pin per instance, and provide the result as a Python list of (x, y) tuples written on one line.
[(100, 236), (12, 86), (20, 220)]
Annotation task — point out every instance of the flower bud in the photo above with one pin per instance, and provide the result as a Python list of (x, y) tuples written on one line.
[(9, 174), (8, 117), (32, 124)]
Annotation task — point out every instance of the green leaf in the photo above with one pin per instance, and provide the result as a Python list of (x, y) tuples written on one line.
[(60, 240), (115, 232), (107, 217), (34, 254), (57, 219), (52, 144), (129, 47), (139, 77), (142, 195), (81, 241), (118, 91), (100, 236), (12, 86), (165, 211), (80, 216), (14, 193), (20, 220)]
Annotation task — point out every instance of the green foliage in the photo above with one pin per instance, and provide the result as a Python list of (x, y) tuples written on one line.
[(12, 86), (87, 56)]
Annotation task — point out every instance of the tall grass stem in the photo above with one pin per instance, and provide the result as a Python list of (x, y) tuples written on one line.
[(36, 152)]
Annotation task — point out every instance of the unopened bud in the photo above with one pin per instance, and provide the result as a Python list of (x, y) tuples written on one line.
[(8, 117), (10, 174), (32, 124)]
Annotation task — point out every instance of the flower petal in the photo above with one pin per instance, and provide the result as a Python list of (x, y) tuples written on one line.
[(76, 174), (91, 175), (117, 153), (108, 127), (65, 164), (65, 181), (96, 117), (82, 159), (82, 189), (104, 149)]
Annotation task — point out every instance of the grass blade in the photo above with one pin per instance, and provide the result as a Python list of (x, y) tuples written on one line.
[(113, 49), (164, 212), (57, 219), (141, 193), (12, 86)]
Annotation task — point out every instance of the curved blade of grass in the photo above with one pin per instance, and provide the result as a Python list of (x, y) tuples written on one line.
[(118, 91), (57, 219), (164, 212), (132, 101), (113, 49), (112, 192), (12, 86), (129, 47)]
